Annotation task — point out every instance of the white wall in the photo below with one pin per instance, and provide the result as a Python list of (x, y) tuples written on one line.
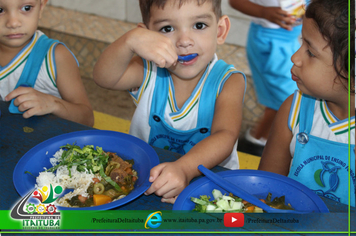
[(109, 8), (128, 10)]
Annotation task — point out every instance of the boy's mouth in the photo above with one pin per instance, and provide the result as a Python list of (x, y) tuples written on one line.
[(186, 58), (14, 36), (294, 77)]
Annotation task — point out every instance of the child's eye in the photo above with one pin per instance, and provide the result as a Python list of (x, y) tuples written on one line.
[(166, 29), (310, 54), (1, 10), (26, 8), (200, 25)]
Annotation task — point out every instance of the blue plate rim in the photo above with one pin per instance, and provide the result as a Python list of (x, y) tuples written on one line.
[(146, 147), (242, 172)]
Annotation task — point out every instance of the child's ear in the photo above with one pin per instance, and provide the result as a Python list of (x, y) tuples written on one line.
[(223, 29), (141, 25), (43, 4)]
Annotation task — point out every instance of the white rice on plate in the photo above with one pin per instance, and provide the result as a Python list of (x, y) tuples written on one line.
[(79, 181)]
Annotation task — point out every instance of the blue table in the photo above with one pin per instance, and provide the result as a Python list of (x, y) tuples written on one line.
[(16, 140), (19, 135)]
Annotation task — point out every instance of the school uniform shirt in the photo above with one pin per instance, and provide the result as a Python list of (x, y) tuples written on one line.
[(320, 148), (181, 120), (46, 80), (325, 124)]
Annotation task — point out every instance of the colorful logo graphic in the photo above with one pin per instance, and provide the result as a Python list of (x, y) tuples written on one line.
[(44, 215), (330, 167), (154, 220), (46, 195), (329, 170)]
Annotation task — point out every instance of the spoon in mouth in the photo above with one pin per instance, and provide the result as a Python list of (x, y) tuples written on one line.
[(187, 57)]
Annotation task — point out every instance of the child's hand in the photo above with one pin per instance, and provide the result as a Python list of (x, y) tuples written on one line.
[(279, 17), (31, 101), (168, 180), (153, 46)]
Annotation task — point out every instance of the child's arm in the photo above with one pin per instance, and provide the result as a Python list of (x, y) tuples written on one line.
[(273, 14), (118, 69), (74, 105), (169, 179), (276, 156)]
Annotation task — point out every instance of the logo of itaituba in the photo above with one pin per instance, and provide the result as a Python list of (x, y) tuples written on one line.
[(43, 215), (154, 220)]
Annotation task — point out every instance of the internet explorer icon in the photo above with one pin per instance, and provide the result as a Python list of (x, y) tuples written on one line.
[(154, 220)]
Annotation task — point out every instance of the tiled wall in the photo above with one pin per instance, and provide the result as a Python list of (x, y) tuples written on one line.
[(88, 35)]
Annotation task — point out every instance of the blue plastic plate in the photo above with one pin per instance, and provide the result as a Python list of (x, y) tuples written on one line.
[(126, 146), (258, 183)]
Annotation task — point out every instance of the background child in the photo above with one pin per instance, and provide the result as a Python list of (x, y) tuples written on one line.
[(56, 87), (309, 138), (272, 40), (191, 106)]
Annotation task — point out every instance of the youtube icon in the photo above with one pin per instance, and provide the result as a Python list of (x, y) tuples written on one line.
[(234, 219)]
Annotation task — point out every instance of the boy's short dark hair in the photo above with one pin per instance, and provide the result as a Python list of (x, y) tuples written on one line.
[(331, 18), (145, 6)]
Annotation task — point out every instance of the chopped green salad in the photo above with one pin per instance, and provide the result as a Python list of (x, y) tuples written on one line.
[(231, 203), (220, 203), (86, 158)]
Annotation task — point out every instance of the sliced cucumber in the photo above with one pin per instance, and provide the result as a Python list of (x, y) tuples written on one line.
[(228, 198), (236, 206), (199, 201), (210, 208), (217, 194), (223, 204)]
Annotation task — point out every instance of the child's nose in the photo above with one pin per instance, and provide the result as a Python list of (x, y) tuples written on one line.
[(184, 40), (13, 21), (296, 58)]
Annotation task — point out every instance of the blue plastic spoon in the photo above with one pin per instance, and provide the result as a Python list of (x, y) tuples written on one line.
[(237, 191), (187, 57)]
